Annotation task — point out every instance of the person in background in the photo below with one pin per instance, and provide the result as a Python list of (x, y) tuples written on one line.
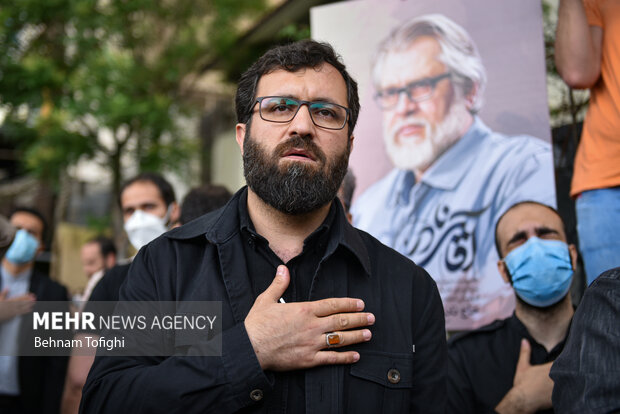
[(98, 256), (587, 56), (7, 233), (28, 384), (504, 367), (148, 205), (345, 193), (202, 200)]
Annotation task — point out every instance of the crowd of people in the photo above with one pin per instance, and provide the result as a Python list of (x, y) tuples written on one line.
[(321, 316)]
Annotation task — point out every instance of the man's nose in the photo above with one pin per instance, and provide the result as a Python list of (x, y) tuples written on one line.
[(302, 123)]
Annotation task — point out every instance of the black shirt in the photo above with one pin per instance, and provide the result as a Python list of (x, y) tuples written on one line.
[(482, 365), (262, 265), (106, 290)]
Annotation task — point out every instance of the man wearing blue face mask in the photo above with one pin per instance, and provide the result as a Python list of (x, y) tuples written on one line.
[(27, 384), (504, 367)]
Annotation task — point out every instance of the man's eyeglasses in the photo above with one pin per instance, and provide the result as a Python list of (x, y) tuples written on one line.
[(283, 109), (416, 91)]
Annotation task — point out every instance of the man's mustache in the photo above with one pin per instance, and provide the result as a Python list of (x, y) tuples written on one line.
[(303, 143)]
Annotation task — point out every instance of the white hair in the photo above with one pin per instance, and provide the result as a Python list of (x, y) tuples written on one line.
[(458, 52)]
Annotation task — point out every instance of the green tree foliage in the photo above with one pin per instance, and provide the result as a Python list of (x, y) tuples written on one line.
[(105, 80), (101, 78)]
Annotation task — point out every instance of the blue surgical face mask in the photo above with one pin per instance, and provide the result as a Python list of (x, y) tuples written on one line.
[(23, 248), (541, 271)]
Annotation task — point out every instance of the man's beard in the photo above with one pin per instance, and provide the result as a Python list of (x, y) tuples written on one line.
[(295, 187), (409, 154)]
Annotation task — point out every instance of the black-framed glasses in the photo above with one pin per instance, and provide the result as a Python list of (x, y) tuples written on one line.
[(416, 91), (283, 109)]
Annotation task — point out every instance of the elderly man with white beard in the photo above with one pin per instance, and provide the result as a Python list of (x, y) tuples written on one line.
[(453, 177)]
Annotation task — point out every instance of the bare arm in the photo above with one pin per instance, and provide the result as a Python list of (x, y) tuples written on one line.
[(577, 46), (79, 365)]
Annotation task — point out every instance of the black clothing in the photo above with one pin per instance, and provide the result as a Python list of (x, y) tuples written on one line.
[(41, 378), (402, 369), (263, 263), (587, 375), (106, 290), (482, 365)]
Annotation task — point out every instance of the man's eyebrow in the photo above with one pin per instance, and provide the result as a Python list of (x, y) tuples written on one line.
[(326, 100), (520, 235), (541, 231)]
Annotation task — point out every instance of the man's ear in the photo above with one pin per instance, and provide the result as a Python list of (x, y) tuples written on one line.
[(351, 139), (503, 270), (240, 135), (110, 260), (471, 96), (572, 250), (175, 212)]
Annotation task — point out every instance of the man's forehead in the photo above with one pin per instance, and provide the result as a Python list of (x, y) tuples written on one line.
[(529, 216), (412, 61), (312, 83), (91, 248), (141, 192), (23, 218)]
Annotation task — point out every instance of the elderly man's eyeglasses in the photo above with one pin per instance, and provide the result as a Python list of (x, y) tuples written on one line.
[(417, 91), (283, 109)]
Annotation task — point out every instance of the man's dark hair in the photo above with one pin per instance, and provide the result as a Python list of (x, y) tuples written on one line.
[(37, 214), (497, 246), (202, 200), (106, 245), (293, 57), (165, 189)]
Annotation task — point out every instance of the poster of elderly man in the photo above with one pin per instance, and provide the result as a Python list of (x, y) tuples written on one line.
[(454, 129)]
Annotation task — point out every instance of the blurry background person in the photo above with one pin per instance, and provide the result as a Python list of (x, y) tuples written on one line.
[(202, 200), (345, 193), (587, 56), (504, 367), (98, 255), (148, 205), (7, 233), (453, 177), (27, 384)]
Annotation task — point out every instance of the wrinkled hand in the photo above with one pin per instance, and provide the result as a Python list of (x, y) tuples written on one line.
[(18, 305), (532, 386), (289, 336)]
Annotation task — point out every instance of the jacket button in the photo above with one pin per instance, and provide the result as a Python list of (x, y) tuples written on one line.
[(393, 376), (256, 395)]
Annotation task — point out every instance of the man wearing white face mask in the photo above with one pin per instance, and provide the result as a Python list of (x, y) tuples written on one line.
[(27, 384), (149, 206), (504, 367)]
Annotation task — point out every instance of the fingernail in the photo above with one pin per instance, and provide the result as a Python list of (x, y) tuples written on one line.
[(371, 318), (366, 334), (360, 304), (280, 271), (356, 357)]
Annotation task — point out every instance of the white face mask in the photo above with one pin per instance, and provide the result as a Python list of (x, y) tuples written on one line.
[(142, 228)]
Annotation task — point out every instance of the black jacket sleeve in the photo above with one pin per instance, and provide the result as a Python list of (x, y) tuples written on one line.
[(177, 384), (429, 383)]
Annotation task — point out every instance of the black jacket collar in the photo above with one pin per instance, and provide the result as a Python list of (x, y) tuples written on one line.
[(221, 225)]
